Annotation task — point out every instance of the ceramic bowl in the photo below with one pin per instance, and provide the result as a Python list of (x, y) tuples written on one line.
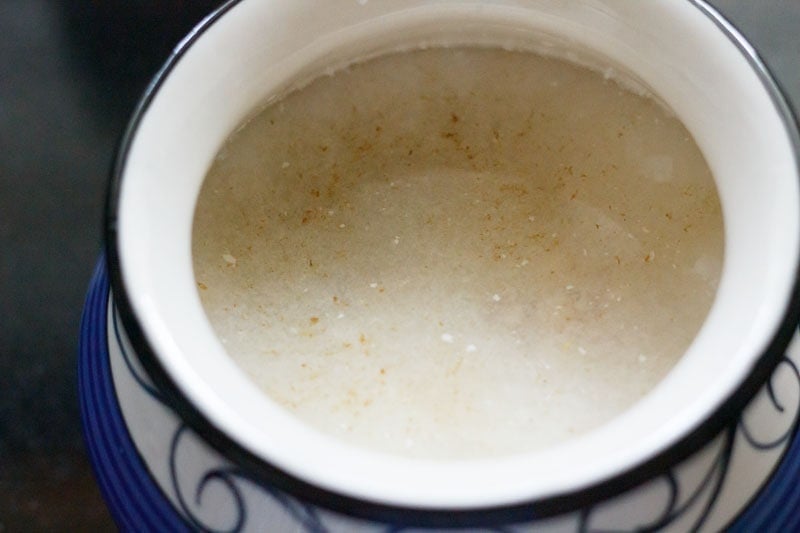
[(692, 453), (157, 473)]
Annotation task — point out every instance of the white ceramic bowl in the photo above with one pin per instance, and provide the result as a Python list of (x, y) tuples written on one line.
[(250, 50)]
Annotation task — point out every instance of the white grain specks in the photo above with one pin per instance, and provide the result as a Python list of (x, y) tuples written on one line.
[(229, 259), (446, 337)]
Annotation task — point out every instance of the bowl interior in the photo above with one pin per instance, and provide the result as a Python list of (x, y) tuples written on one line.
[(257, 50)]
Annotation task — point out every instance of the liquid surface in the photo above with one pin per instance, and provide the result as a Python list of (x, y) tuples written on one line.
[(457, 253)]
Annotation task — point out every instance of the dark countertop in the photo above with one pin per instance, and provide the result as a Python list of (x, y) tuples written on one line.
[(70, 74)]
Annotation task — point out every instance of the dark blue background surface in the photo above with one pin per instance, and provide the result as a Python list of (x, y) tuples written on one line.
[(70, 74)]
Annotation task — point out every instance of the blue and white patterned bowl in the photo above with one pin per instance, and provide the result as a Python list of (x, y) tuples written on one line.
[(206, 449), (158, 474)]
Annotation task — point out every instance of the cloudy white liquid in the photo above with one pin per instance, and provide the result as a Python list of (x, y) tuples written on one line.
[(457, 253)]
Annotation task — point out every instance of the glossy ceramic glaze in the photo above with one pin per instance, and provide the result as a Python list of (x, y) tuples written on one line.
[(251, 51)]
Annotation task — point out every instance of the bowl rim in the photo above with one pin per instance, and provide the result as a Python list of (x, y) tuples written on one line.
[(228, 447)]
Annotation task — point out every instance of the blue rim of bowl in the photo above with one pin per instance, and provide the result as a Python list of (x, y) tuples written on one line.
[(135, 501), (442, 517)]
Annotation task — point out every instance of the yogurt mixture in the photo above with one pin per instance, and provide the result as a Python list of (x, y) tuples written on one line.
[(458, 253)]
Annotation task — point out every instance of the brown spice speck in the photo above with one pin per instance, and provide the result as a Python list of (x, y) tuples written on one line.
[(513, 188), (202, 286), (313, 319)]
